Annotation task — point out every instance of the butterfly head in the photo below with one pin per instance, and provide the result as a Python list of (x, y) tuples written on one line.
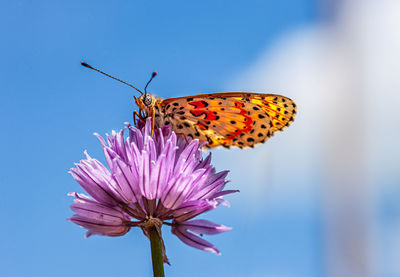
[(145, 101)]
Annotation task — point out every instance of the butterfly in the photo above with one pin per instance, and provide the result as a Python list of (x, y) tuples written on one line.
[(241, 119)]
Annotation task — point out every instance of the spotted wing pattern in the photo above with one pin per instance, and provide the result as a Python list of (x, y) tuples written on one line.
[(228, 119)]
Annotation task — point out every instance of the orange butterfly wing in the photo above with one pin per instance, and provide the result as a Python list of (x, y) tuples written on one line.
[(228, 119)]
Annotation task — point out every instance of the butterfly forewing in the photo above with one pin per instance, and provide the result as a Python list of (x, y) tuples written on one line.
[(227, 119)]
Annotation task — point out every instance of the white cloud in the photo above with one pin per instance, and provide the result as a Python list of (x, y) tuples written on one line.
[(343, 74)]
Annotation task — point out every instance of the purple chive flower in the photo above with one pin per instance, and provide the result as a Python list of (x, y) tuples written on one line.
[(151, 181)]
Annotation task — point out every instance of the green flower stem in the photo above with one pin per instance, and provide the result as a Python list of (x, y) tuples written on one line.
[(156, 253)]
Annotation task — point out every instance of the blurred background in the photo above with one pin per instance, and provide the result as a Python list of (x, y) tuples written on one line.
[(321, 198)]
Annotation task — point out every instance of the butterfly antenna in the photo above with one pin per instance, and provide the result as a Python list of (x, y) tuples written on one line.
[(95, 69), (152, 76)]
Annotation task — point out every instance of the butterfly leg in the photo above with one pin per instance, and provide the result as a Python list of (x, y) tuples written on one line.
[(184, 136), (136, 114), (153, 113)]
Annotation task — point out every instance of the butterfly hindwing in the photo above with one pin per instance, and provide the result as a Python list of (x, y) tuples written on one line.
[(228, 119)]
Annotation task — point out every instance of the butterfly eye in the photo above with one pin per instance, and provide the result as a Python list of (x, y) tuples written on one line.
[(147, 100)]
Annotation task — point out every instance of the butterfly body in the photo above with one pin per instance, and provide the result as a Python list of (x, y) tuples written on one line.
[(241, 119), (225, 119)]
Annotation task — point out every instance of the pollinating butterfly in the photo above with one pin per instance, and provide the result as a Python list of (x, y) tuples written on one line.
[(227, 119)]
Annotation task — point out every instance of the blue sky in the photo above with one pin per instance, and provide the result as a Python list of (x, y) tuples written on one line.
[(50, 106)]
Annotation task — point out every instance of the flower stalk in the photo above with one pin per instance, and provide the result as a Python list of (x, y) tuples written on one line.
[(156, 252)]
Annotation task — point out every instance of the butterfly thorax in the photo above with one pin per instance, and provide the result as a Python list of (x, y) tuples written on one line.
[(160, 114)]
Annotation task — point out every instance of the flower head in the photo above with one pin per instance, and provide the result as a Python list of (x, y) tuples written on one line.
[(150, 181)]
